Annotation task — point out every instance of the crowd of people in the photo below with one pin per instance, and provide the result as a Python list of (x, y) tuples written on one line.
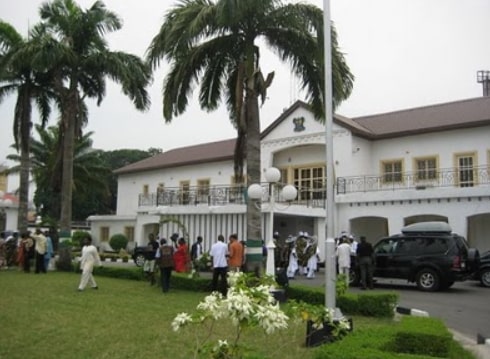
[(27, 250)]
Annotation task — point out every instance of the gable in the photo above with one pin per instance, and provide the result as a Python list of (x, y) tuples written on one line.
[(297, 121)]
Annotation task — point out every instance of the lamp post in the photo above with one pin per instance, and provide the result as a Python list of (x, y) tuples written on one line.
[(288, 193)]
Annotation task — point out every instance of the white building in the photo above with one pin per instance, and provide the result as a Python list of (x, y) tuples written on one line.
[(428, 163)]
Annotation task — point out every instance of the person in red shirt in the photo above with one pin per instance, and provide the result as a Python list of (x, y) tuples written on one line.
[(235, 250), (181, 256)]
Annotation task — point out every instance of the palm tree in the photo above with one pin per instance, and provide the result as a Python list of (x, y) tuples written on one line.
[(74, 48), (214, 43), (91, 174), (17, 76)]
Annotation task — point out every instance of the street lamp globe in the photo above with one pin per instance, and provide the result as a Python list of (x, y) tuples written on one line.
[(255, 191), (289, 192), (272, 175)]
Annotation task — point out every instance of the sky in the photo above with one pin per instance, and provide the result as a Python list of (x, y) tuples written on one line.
[(403, 54)]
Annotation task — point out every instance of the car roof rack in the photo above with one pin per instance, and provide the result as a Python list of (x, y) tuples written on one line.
[(427, 227)]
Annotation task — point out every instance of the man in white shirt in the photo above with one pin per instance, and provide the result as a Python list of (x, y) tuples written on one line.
[(219, 253), (40, 248), (343, 257), (90, 258)]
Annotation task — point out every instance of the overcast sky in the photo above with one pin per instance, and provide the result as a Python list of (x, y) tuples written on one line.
[(403, 53)]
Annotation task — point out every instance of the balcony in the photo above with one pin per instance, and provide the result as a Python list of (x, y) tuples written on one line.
[(223, 195), (450, 177)]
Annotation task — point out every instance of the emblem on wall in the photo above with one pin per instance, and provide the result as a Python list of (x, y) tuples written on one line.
[(299, 124)]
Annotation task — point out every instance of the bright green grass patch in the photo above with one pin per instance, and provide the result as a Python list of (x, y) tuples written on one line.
[(44, 316)]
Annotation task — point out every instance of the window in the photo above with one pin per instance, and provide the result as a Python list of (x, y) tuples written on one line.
[(129, 233), (426, 169), (310, 182), (184, 192), (146, 190), (392, 171), (202, 190), (104, 234), (465, 169)]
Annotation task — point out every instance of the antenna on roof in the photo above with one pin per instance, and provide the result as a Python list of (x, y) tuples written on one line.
[(483, 77)]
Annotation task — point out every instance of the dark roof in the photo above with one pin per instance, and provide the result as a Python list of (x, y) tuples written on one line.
[(184, 156), (447, 116)]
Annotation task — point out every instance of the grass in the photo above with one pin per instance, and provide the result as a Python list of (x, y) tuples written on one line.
[(44, 316)]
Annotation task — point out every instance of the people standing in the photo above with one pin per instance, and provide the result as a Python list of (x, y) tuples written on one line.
[(181, 256), (149, 264), (293, 258), (343, 257), (235, 250), (26, 251), (40, 250), (49, 250), (219, 254), (165, 257), (313, 257), (196, 249), (365, 257), (90, 258), (3, 251)]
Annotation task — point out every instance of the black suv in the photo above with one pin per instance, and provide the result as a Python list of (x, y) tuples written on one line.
[(427, 253), (483, 272)]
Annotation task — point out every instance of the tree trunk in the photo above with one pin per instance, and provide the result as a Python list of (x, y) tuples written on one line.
[(25, 138), (254, 223), (68, 117)]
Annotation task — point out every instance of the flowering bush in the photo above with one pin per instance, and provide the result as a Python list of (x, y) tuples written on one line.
[(248, 303), (319, 316)]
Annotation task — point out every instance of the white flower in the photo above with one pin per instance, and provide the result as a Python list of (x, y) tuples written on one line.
[(271, 318), (180, 320)]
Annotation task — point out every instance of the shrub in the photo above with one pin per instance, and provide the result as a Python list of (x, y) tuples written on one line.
[(77, 238), (118, 241)]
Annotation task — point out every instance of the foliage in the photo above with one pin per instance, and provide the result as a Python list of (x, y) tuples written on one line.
[(248, 303), (378, 304), (418, 335), (118, 241), (376, 341), (75, 49), (117, 159), (203, 263), (30, 85), (77, 238), (319, 316)]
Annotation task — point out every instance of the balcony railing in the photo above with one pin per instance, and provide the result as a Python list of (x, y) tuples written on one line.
[(316, 198), (450, 177), (223, 195)]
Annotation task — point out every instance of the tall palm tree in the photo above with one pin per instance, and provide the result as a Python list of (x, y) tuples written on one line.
[(214, 43), (74, 48), (91, 173), (17, 76)]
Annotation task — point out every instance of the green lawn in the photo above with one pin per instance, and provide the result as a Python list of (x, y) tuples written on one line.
[(44, 316)]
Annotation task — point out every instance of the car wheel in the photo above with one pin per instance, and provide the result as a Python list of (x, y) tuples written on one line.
[(139, 260), (485, 277), (354, 278), (428, 280)]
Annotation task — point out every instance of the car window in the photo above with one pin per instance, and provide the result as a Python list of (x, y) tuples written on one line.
[(430, 245), (405, 246), (386, 245)]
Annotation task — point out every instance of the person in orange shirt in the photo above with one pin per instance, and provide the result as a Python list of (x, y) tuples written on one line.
[(235, 250)]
